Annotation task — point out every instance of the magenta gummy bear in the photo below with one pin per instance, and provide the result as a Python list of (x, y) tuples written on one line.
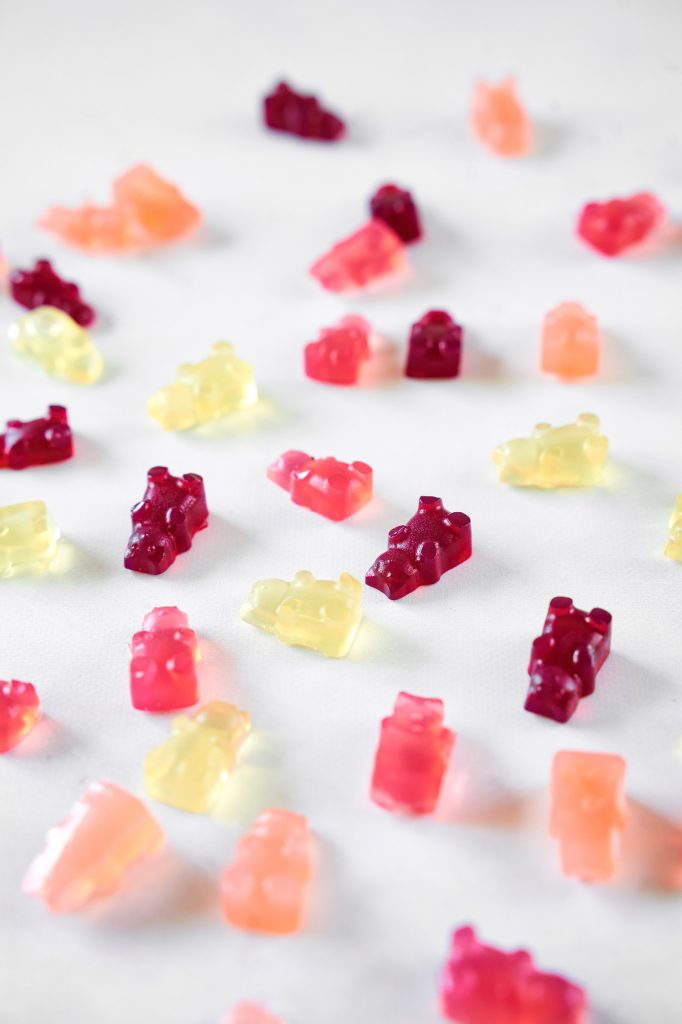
[(164, 522), (37, 442), (396, 207), (43, 286), (435, 346), (163, 667), (286, 110)]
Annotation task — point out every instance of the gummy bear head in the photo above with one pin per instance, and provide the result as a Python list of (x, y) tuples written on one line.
[(393, 573), (150, 550)]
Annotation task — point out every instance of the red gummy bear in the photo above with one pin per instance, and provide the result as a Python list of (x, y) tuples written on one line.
[(413, 753), (433, 541), (42, 286), (19, 710), (396, 207), (565, 659), (164, 522), (618, 224), (37, 442), (435, 346), (333, 489), (337, 356), (163, 667), (285, 110)]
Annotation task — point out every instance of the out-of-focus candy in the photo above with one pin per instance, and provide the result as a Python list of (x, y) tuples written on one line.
[(396, 207), (569, 456), (163, 667), (413, 753), (673, 548), (285, 110), (19, 711), (484, 985), (264, 888), (189, 769), (250, 1013), (588, 812), (28, 538), (164, 522), (435, 346), (146, 211), (37, 442), (42, 286), (565, 658), (618, 224), (215, 387), (431, 542), (499, 120), (88, 854), (333, 489), (55, 342), (338, 354), (321, 614), (373, 252), (571, 342)]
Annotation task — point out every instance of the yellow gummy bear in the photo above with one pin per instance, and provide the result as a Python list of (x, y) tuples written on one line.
[(321, 614), (673, 548), (28, 538), (217, 386), (570, 456), (63, 348), (188, 770)]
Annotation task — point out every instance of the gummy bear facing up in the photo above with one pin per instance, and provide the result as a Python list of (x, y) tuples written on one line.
[(285, 110), (173, 509), (37, 442), (19, 711), (163, 668), (673, 548), (42, 286), (396, 207), (339, 353), (373, 252), (569, 456), (499, 120), (250, 1013), (333, 489), (571, 342), (435, 347), (28, 538), (54, 341), (615, 226)]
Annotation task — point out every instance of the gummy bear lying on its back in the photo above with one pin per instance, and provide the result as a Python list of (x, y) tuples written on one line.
[(569, 456), (37, 442)]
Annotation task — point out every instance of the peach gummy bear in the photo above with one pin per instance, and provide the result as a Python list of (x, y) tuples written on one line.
[(499, 120), (571, 342)]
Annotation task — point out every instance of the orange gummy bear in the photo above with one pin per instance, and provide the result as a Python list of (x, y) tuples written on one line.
[(499, 120), (571, 342)]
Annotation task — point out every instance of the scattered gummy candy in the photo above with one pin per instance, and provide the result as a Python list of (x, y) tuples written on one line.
[(499, 120), (373, 252), (571, 342), (54, 341), (163, 667), (396, 207), (173, 509), (435, 346), (339, 353), (285, 110), (615, 226), (37, 442), (19, 711), (333, 489), (42, 286), (570, 456)]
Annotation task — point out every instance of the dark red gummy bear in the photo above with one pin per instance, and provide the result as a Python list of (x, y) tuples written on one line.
[(37, 442), (396, 207), (618, 224), (565, 659), (285, 110), (433, 541), (164, 522), (435, 346), (42, 286)]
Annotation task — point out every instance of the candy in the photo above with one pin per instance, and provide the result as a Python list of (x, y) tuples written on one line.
[(285, 110), (264, 888), (431, 542), (42, 286), (499, 120), (323, 615), (19, 710), (28, 538), (615, 226), (88, 854), (435, 346), (215, 387), (673, 548), (571, 342), (413, 753), (163, 667), (333, 489), (37, 442), (367, 255), (189, 770), (587, 813), (396, 207), (55, 342), (250, 1013), (569, 456), (146, 211), (164, 522), (337, 356), (484, 985)]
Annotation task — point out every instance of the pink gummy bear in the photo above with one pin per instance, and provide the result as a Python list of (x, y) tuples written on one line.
[(499, 120), (19, 711), (163, 669), (250, 1013), (373, 252), (286, 110), (615, 226), (338, 354), (333, 489), (164, 522), (37, 442)]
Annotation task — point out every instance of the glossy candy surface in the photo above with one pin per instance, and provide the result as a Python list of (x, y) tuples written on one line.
[(373, 252), (43, 286), (286, 110), (163, 666), (571, 342), (499, 120), (570, 456), (435, 346), (57, 344), (250, 1013), (333, 489), (164, 522), (28, 538), (396, 207), (673, 547), (617, 225), (37, 442), (19, 711), (339, 353)]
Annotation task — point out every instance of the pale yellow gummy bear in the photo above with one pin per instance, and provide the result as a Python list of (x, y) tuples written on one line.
[(54, 341), (673, 548), (28, 538), (217, 386), (569, 456)]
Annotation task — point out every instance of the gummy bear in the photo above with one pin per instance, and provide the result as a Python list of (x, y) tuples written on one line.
[(19, 711), (42, 286), (264, 888), (484, 985), (499, 120), (338, 354), (215, 387), (569, 456), (189, 770), (295, 113), (146, 211), (367, 255), (431, 542), (88, 854), (673, 548), (164, 522), (250, 1013), (571, 342), (37, 442), (615, 226), (396, 207), (28, 538), (55, 342), (435, 346), (163, 668), (413, 753), (587, 813), (333, 489)]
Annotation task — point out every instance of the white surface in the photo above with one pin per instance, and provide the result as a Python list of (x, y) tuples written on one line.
[(89, 90)]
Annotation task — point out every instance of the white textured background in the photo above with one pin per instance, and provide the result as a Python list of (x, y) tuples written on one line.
[(88, 90)]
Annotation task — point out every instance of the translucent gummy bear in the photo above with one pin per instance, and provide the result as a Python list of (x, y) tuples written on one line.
[(54, 341), (264, 888), (339, 353), (28, 538), (189, 769), (19, 711), (435, 346), (88, 854), (499, 120), (215, 387), (396, 207), (673, 548), (373, 252), (163, 667), (250, 1013), (333, 489), (37, 442), (571, 342), (285, 110), (321, 614), (570, 456), (615, 226), (165, 521), (42, 286)]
